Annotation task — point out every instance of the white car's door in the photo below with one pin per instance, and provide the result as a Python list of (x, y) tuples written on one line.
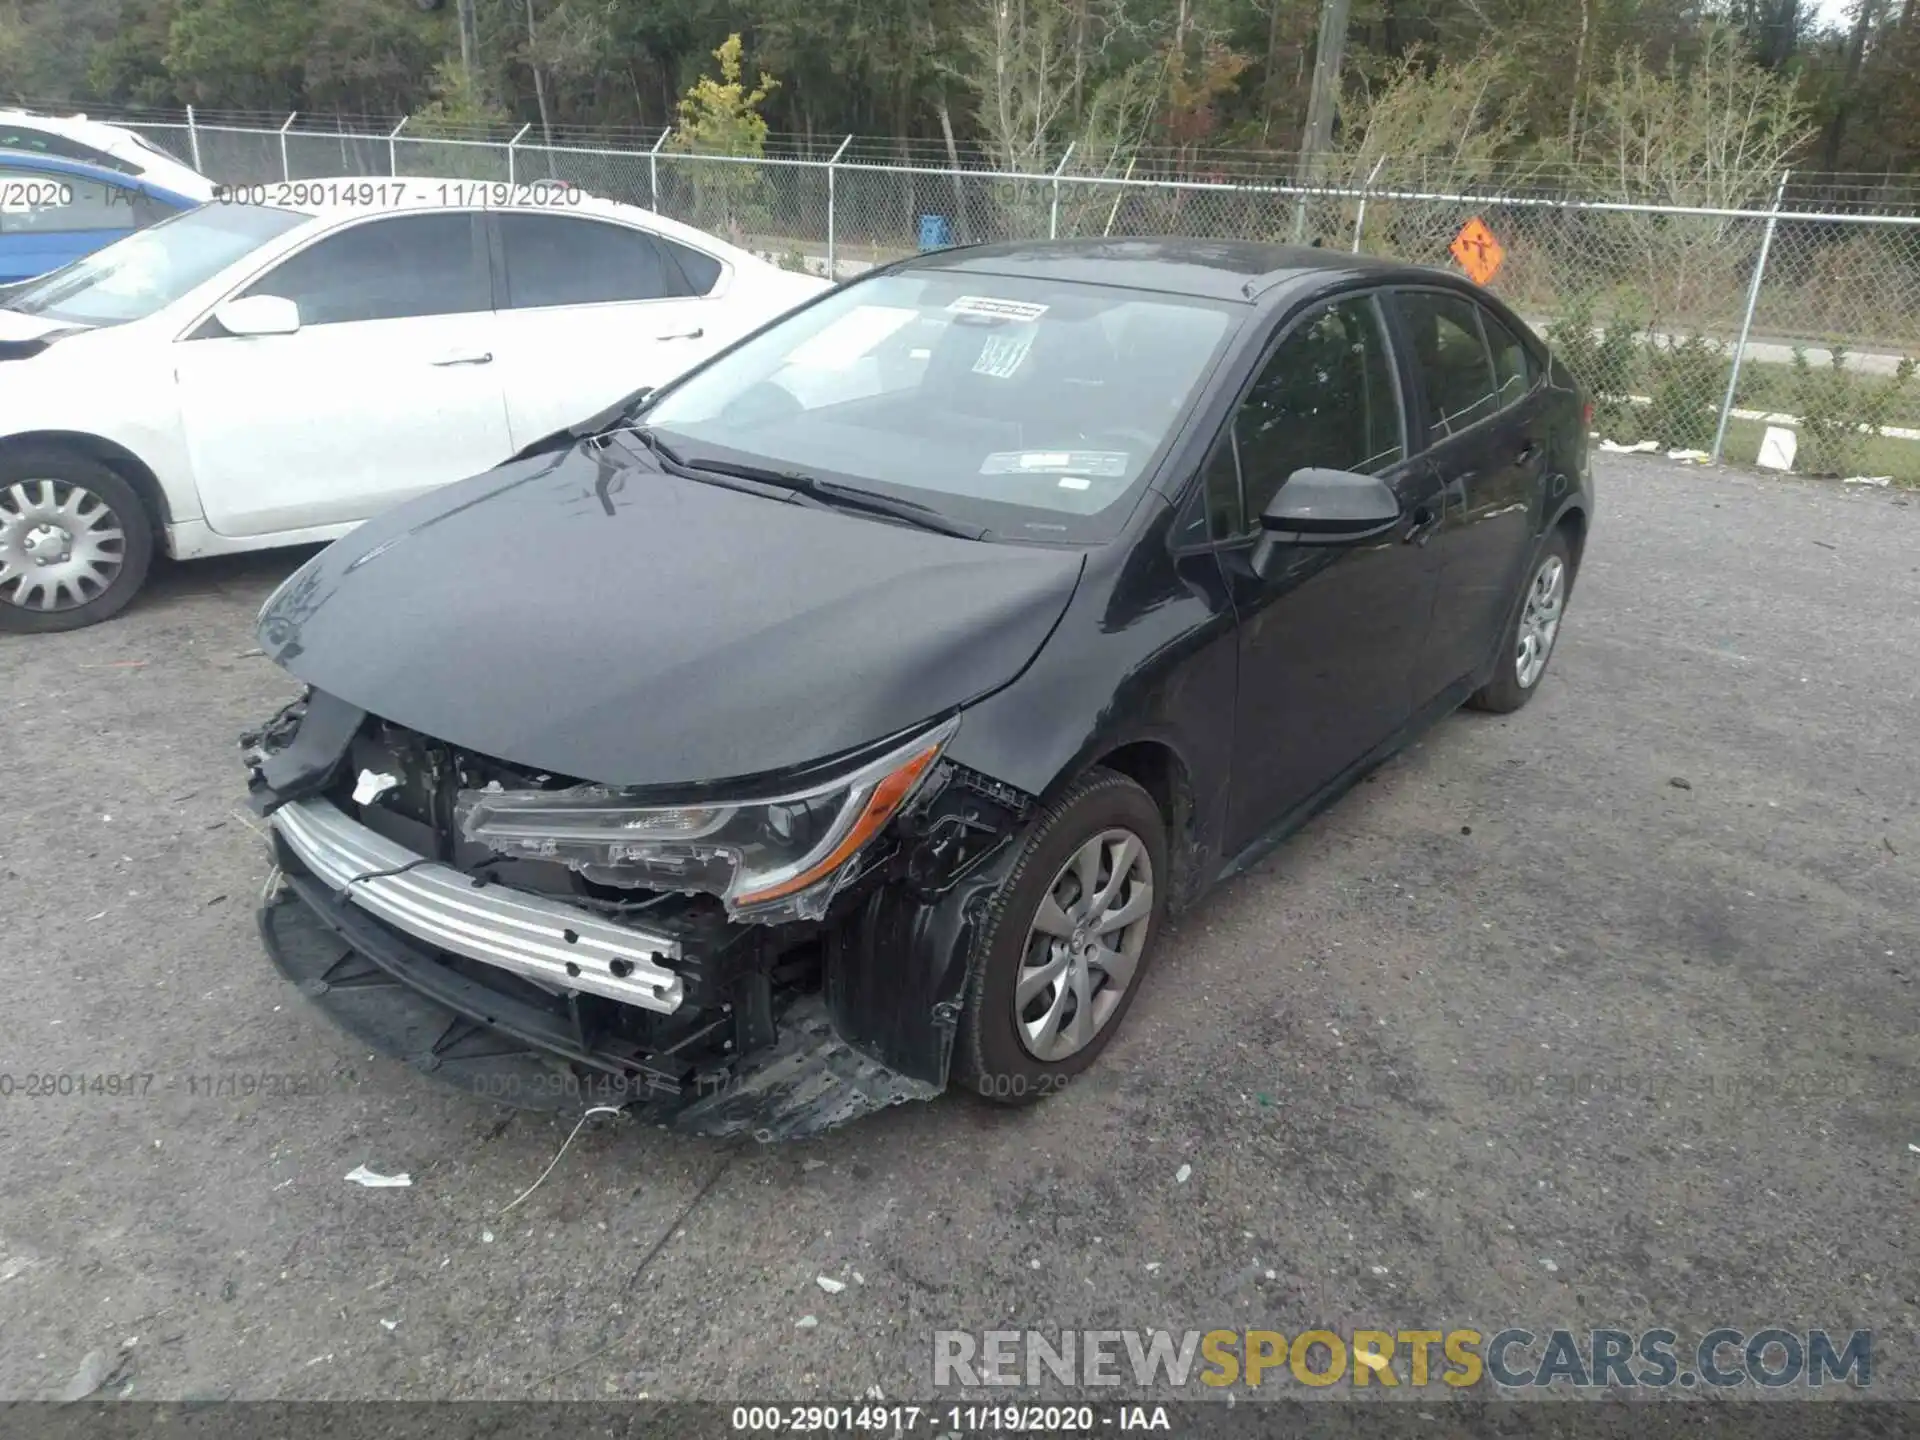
[(590, 310), (388, 388)]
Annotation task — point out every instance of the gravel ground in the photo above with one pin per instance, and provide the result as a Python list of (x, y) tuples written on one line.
[(1600, 1014)]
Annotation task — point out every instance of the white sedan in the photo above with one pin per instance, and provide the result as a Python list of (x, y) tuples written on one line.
[(274, 372)]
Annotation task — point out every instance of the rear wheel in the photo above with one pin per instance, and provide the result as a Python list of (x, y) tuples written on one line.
[(75, 541), (1530, 637), (1068, 939)]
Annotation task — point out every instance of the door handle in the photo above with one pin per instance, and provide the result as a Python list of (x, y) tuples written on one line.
[(464, 357), (1425, 521), (693, 334)]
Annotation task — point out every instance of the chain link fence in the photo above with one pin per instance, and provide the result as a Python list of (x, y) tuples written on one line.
[(1695, 329)]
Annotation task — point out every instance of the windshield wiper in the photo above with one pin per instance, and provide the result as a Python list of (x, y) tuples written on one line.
[(622, 410), (844, 497)]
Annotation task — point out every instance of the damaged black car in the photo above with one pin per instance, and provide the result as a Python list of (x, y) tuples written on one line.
[(844, 720)]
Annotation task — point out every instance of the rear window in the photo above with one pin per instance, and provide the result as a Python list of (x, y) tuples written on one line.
[(14, 136)]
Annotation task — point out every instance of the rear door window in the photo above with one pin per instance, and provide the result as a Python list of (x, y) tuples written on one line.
[(1513, 369), (700, 270), (1451, 356), (567, 260)]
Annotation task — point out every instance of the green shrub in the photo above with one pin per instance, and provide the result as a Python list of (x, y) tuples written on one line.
[(1604, 359), (1687, 380), (1840, 411)]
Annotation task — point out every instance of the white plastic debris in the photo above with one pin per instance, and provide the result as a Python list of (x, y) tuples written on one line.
[(389, 1325), (1183, 1174), (94, 1371), (371, 785), (829, 1284), (1642, 447), (1880, 480), (806, 1322), (1549, 1267), (1914, 1148), (486, 1237), (1378, 1269), (1691, 457), (1152, 1265), (1777, 448), (374, 1180)]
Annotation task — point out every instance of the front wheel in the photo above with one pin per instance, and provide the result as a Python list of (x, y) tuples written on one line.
[(1066, 943), (1528, 643), (75, 541)]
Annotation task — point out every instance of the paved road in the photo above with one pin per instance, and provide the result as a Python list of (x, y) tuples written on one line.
[(1357, 1049)]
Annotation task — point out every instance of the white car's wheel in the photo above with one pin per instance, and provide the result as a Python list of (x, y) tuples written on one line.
[(75, 541)]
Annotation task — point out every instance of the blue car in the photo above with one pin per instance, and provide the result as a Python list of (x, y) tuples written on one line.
[(54, 210)]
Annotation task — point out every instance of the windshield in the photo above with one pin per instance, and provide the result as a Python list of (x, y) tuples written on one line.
[(1031, 408), (132, 278)]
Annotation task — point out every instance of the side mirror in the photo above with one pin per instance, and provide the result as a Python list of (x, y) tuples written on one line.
[(259, 315), (1330, 507)]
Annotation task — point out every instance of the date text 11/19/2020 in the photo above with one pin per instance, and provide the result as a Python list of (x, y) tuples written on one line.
[(393, 194), (893, 1419)]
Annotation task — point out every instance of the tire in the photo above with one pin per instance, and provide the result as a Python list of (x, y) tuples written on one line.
[(86, 522), (1099, 813), (1518, 672)]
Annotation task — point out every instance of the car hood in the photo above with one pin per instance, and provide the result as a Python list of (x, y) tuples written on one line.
[(24, 336), (589, 616)]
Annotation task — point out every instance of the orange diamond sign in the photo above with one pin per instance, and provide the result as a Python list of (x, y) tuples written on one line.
[(1479, 254)]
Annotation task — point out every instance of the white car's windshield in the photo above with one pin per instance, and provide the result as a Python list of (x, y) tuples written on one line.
[(1031, 408), (132, 278)]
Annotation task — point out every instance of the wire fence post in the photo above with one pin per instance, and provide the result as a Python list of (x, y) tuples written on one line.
[(193, 138), (1746, 323), (511, 177), (653, 171), (832, 253), (286, 170), (393, 150), (1360, 220), (1053, 219)]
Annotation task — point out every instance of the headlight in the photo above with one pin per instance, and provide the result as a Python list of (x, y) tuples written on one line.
[(775, 857)]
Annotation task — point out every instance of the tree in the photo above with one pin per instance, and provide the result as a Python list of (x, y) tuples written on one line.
[(722, 118)]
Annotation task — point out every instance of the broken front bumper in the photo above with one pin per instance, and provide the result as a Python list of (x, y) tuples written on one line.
[(545, 940), (378, 937)]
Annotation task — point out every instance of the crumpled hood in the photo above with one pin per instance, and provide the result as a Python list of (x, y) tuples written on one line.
[(586, 615)]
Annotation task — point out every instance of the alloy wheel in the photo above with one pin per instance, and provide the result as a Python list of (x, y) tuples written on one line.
[(1084, 945), (1540, 620), (61, 545)]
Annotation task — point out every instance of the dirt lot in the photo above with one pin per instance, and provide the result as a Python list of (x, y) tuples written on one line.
[(1602, 1014)]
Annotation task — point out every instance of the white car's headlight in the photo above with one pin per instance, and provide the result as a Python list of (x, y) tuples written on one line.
[(774, 857)]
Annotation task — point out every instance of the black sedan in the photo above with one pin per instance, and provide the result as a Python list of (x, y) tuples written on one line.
[(847, 716)]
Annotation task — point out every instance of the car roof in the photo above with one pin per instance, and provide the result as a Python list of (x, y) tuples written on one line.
[(1239, 270), (74, 127), (88, 170), (321, 199)]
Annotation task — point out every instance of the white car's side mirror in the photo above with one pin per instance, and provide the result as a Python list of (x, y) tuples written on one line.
[(259, 315)]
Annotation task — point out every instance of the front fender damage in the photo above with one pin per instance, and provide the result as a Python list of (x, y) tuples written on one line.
[(786, 1031)]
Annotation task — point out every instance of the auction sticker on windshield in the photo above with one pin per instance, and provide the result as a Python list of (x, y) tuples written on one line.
[(992, 309), (1105, 464)]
